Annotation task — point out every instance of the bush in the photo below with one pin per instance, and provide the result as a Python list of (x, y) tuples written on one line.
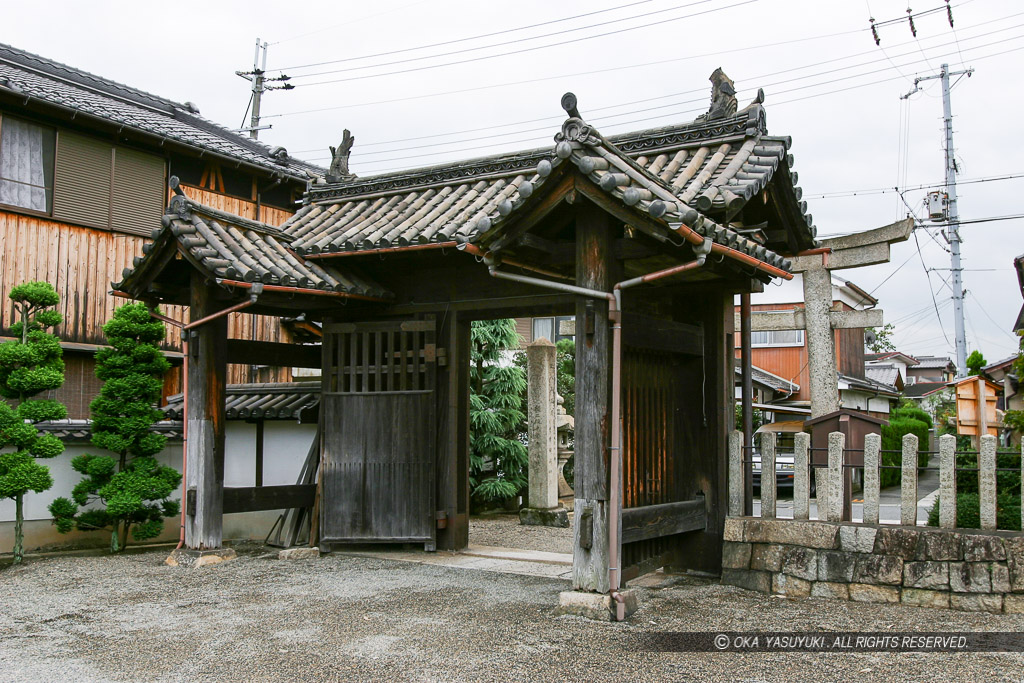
[(892, 446), (1007, 483), (912, 411), (968, 512)]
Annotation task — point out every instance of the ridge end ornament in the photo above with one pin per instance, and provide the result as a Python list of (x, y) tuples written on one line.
[(339, 159)]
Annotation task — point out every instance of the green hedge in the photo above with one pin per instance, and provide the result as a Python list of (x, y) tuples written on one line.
[(968, 512), (892, 440), (1007, 483), (912, 412)]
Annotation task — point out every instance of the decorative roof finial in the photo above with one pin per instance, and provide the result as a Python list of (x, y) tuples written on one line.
[(723, 96), (569, 105), (339, 159)]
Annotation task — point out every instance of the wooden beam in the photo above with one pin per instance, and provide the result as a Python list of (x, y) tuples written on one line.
[(207, 370), (246, 352), (656, 521), (256, 498)]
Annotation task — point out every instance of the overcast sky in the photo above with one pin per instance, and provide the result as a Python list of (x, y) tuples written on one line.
[(365, 66)]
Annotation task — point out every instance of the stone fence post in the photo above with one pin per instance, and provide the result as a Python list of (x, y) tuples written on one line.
[(836, 446), (987, 482), (908, 482), (872, 477), (801, 476), (735, 473), (947, 481)]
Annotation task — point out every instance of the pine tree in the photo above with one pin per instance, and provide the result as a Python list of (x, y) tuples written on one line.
[(29, 366), (975, 362), (130, 490), (498, 459)]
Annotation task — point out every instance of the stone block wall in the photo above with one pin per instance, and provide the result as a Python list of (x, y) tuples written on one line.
[(925, 567)]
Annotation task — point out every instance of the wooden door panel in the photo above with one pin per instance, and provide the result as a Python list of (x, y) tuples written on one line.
[(379, 433)]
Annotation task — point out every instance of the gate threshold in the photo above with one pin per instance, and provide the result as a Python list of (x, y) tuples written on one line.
[(483, 558)]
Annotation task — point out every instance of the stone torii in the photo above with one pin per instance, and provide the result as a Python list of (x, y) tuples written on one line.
[(817, 317)]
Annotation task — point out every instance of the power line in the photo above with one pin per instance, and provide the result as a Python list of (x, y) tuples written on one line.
[(525, 49), (925, 186), (489, 35), (677, 113), (532, 81), (1000, 327), (491, 136), (931, 290)]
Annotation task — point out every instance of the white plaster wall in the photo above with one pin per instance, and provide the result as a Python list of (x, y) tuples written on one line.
[(65, 478), (285, 447), (240, 454), (856, 400)]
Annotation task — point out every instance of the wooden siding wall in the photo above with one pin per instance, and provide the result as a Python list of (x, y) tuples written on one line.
[(788, 362), (82, 262)]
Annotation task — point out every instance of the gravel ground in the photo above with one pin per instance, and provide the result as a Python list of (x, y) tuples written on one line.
[(505, 531), (131, 618)]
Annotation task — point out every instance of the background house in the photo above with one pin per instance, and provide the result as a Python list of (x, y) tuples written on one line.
[(84, 166), (783, 353)]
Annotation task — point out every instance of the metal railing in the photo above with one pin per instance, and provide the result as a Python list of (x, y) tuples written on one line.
[(833, 481)]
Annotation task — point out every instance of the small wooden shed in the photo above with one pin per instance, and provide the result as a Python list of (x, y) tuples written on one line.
[(644, 237)]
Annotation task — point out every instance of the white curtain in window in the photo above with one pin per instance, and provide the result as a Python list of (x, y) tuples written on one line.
[(22, 170), (544, 327)]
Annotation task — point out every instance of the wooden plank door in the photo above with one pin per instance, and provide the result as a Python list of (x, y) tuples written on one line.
[(379, 433), (659, 399)]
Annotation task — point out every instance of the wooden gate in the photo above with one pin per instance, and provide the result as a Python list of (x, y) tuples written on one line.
[(657, 378), (379, 433)]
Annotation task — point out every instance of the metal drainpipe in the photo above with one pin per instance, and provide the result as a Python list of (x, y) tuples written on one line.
[(614, 300)]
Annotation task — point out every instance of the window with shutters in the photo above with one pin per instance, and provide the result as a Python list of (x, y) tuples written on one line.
[(26, 164), (104, 186), (79, 179)]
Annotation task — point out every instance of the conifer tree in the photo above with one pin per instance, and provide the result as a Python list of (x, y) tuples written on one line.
[(29, 365), (498, 459), (129, 490)]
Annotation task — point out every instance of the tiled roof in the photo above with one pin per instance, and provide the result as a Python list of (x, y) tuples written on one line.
[(999, 364), (227, 247), (868, 384), (922, 389), (29, 75), (904, 357), (269, 401), (883, 374), (930, 362), (773, 382), (699, 174), (80, 431)]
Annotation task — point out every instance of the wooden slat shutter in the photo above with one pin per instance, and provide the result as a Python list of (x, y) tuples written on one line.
[(81, 192), (138, 192)]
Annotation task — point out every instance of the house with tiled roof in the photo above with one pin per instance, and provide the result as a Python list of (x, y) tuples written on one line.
[(784, 354), (84, 165), (84, 169)]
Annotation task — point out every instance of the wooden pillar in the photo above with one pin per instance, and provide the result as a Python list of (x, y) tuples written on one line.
[(452, 472), (207, 370), (594, 270)]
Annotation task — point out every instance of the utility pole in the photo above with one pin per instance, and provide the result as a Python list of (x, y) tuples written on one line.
[(951, 216), (257, 77)]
